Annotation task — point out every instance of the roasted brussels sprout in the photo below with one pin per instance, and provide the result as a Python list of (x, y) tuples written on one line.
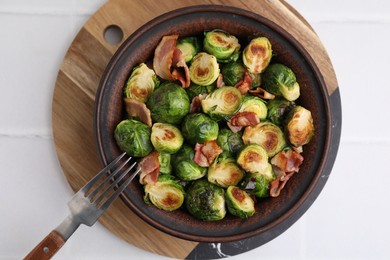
[(166, 138), (184, 166), (257, 55), (278, 109), (230, 142), (299, 126), (255, 105), (224, 46), (166, 193), (199, 128), (266, 134), (189, 47), (205, 201), (222, 103), (133, 137), (225, 172), (258, 184), (141, 83), (204, 69), (239, 203), (194, 90), (253, 159), (164, 159), (233, 72), (279, 79), (169, 103)]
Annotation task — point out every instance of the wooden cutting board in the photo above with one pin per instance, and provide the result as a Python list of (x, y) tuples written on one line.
[(77, 82)]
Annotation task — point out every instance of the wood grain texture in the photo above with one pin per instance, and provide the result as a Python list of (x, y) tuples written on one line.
[(78, 79), (47, 248)]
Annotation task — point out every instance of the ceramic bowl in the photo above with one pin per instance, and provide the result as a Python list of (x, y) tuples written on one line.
[(273, 215)]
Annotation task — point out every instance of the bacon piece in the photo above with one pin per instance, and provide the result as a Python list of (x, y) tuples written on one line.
[(150, 168), (206, 153), (278, 184), (245, 84), (244, 119), (287, 161), (234, 128), (169, 63), (220, 82), (196, 103), (262, 93), (135, 108)]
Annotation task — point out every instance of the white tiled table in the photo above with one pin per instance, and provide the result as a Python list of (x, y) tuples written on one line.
[(349, 220)]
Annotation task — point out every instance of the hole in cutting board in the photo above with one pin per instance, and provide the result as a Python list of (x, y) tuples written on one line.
[(113, 34)]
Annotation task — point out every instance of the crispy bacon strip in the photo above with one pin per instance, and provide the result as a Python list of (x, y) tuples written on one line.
[(169, 63), (150, 168), (206, 153), (244, 119), (278, 184), (262, 93), (220, 82), (135, 108), (245, 84)]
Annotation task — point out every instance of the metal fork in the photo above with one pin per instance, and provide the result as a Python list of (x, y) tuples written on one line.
[(86, 206)]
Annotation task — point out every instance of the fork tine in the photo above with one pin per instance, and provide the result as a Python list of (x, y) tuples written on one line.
[(114, 183), (119, 190), (100, 174), (107, 179)]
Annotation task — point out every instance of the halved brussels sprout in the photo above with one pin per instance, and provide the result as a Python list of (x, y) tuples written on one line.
[(224, 46), (169, 103), (189, 47), (164, 160), (266, 134), (253, 159), (230, 142), (206, 201), (141, 83), (166, 138), (239, 203), (204, 69), (166, 193), (257, 55), (222, 103), (225, 172), (184, 166), (133, 137), (299, 126), (199, 128), (278, 109), (259, 184), (232, 73), (194, 90), (279, 79), (255, 105)]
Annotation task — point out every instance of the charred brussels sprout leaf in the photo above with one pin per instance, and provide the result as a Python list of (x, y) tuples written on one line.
[(133, 137), (230, 142), (141, 83), (299, 126), (194, 90), (189, 47), (266, 134), (166, 193), (257, 55), (164, 160), (204, 69), (206, 201), (255, 105), (233, 72), (225, 172), (239, 203), (224, 46), (279, 79), (169, 104), (166, 138), (222, 103), (184, 167), (199, 128), (278, 109), (253, 159)]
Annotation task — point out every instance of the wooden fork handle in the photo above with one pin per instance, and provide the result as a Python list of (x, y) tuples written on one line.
[(47, 247)]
